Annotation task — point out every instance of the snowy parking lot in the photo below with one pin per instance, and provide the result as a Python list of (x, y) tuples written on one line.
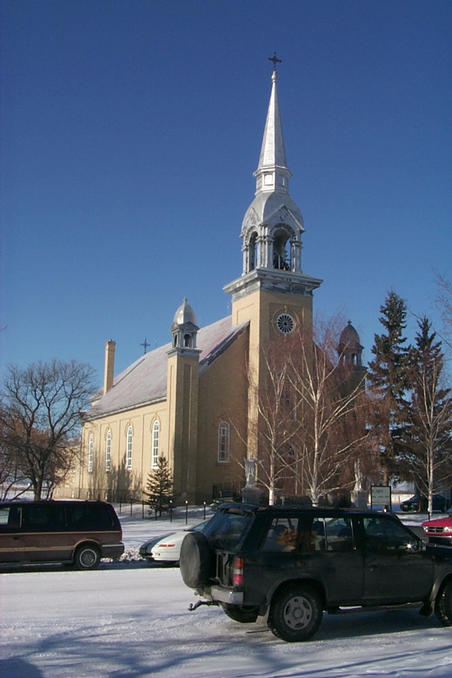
[(131, 619)]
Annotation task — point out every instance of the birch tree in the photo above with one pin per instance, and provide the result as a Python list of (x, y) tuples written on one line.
[(332, 408), (311, 417)]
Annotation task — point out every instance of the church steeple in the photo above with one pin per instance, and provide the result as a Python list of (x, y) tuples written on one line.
[(272, 294), (273, 225)]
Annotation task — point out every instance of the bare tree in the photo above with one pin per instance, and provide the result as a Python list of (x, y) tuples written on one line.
[(277, 424), (429, 414), (12, 481), (445, 306), (333, 407), (312, 417), (40, 419)]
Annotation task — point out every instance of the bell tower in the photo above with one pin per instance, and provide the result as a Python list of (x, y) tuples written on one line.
[(182, 396), (272, 293)]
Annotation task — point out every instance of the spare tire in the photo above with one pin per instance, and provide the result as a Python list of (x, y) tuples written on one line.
[(196, 560)]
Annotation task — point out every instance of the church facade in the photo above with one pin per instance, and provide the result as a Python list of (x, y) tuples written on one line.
[(190, 400)]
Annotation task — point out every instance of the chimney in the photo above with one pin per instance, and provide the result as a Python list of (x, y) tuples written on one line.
[(109, 364)]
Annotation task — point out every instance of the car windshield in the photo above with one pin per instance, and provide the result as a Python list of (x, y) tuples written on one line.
[(227, 528)]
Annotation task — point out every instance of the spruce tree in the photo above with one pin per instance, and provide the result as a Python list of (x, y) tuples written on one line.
[(429, 414), (159, 487), (387, 378)]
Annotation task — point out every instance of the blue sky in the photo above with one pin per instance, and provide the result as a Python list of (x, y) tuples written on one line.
[(130, 132)]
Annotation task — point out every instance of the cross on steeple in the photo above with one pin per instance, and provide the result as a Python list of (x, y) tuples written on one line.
[(275, 60), (145, 346)]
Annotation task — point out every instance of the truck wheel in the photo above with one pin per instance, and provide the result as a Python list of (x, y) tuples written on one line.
[(244, 615), (295, 613), (443, 604), (87, 557), (196, 560)]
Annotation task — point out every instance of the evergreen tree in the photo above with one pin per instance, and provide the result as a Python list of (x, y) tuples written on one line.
[(387, 378), (159, 487), (429, 415)]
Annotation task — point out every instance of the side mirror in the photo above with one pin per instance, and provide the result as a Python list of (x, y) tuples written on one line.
[(413, 546)]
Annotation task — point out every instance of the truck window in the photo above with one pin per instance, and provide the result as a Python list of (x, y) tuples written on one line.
[(227, 528), (385, 535), (283, 535)]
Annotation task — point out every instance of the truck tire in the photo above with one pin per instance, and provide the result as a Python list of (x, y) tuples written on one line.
[(295, 613), (443, 604), (196, 560)]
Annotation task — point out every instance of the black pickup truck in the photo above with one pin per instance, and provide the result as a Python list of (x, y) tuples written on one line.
[(291, 564)]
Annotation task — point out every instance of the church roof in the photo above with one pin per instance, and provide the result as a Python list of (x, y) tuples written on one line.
[(145, 380)]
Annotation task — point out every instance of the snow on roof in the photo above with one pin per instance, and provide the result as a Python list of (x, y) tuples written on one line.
[(145, 380)]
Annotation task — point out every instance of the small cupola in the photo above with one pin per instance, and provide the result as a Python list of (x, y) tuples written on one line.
[(349, 348), (184, 328)]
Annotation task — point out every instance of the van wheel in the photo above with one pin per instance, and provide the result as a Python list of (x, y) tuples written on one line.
[(295, 613), (443, 604), (87, 557)]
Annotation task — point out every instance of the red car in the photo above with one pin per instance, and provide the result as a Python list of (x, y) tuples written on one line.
[(439, 531)]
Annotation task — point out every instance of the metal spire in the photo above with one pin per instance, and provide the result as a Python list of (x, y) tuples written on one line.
[(273, 153)]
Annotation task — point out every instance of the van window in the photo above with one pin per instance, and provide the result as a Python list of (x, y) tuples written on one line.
[(9, 518), (43, 517), (90, 517)]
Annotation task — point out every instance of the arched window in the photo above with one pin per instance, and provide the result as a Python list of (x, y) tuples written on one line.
[(223, 442), (252, 252), (155, 444), (90, 452), (281, 250), (108, 451), (129, 449)]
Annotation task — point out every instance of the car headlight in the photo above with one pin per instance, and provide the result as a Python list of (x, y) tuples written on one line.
[(448, 528)]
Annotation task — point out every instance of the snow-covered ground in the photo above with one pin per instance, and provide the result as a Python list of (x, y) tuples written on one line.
[(130, 620)]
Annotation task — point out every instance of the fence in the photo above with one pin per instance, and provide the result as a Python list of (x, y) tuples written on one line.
[(142, 510)]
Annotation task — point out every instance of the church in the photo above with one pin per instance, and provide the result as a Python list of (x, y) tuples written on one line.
[(190, 400)]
